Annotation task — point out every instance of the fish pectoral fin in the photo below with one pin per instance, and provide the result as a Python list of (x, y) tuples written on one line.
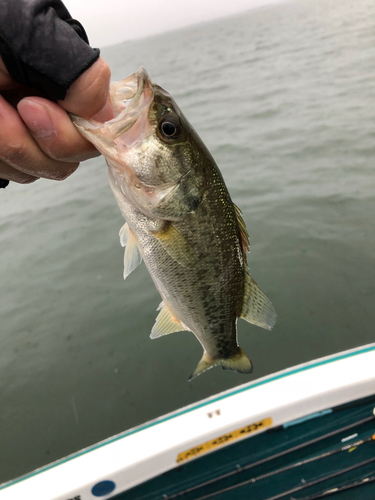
[(257, 308), (239, 362), (132, 257), (165, 323), (245, 241), (124, 234), (176, 245)]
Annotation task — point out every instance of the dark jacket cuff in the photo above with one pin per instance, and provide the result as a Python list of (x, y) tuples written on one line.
[(42, 46)]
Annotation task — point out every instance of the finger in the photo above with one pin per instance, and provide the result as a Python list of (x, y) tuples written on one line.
[(54, 131), (19, 150), (89, 94), (11, 174)]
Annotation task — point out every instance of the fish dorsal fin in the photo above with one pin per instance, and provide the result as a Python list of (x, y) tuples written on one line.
[(165, 323), (132, 257), (124, 234), (245, 241), (257, 308), (176, 245), (239, 362)]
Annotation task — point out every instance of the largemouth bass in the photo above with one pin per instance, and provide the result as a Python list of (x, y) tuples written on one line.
[(180, 220)]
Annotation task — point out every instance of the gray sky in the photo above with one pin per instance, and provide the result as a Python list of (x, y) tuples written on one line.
[(108, 22)]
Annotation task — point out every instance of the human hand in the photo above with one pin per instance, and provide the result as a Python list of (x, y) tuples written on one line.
[(37, 137)]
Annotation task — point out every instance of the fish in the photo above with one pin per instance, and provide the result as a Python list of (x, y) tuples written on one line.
[(180, 220)]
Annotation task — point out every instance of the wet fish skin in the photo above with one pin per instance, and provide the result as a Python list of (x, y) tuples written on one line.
[(180, 220)]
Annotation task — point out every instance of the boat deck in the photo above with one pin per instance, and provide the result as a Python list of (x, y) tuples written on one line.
[(330, 450)]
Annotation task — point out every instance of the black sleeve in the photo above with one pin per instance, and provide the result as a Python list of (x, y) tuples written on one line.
[(42, 46)]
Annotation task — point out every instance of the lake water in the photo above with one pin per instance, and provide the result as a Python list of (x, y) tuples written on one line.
[(284, 98)]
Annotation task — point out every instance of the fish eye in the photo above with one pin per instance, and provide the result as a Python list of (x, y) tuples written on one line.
[(170, 127)]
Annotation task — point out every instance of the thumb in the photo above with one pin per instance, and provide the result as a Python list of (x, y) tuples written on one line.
[(88, 96)]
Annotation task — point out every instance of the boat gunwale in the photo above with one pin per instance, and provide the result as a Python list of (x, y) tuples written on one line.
[(195, 406)]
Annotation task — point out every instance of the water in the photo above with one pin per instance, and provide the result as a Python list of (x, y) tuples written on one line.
[(284, 99)]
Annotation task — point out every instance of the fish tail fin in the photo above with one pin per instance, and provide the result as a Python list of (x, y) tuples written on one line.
[(239, 362)]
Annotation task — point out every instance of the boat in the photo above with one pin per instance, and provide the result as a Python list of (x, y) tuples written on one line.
[(304, 433)]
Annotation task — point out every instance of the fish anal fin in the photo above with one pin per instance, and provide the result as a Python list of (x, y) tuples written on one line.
[(239, 362), (132, 257), (256, 308), (165, 323), (245, 241), (176, 245)]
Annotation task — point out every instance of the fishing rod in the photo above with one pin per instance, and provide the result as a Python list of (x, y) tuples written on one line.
[(339, 489), (268, 459), (322, 479), (326, 454)]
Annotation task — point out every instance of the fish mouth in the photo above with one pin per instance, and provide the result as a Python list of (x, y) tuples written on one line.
[(131, 98)]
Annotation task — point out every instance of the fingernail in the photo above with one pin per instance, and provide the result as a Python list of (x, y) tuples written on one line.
[(105, 114), (36, 117)]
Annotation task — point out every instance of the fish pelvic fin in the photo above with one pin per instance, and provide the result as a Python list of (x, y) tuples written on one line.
[(132, 256), (257, 308), (239, 362), (165, 323), (124, 234)]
